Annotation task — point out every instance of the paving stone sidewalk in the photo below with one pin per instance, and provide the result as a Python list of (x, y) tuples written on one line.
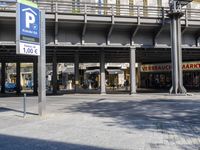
[(110, 122)]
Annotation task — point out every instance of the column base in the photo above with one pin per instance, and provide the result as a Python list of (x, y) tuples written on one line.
[(178, 90), (103, 93), (133, 93)]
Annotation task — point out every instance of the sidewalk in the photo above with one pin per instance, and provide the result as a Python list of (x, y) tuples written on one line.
[(110, 122)]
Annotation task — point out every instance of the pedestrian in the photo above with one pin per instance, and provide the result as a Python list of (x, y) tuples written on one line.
[(126, 84)]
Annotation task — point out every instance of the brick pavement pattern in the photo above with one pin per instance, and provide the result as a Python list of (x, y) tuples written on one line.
[(109, 122)]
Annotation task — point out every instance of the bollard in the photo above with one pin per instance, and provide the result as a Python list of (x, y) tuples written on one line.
[(24, 105)]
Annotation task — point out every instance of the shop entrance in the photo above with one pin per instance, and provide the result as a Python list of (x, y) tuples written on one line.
[(157, 76)]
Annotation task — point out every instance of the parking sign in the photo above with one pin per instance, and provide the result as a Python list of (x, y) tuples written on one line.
[(27, 28)]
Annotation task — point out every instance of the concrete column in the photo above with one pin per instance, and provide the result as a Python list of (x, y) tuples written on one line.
[(35, 77), (42, 69), (18, 83), (102, 70), (76, 71), (132, 71), (176, 51), (54, 75), (174, 88), (176, 56), (139, 75), (179, 49), (3, 76)]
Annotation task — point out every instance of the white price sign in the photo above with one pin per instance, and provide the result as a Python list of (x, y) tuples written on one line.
[(30, 49)]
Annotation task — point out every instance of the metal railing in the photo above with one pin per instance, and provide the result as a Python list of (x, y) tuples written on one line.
[(64, 7)]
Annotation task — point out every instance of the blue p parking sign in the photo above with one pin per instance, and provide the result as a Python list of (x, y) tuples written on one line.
[(28, 28), (29, 21)]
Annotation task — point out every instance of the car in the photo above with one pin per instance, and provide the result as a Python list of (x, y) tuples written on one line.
[(10, 87)]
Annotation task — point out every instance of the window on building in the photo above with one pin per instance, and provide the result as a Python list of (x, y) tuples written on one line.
[(117, 7), (159, 3), (75, 6), (100, 7), (131, 7), (189, 12), (145, 9), (105, 5)]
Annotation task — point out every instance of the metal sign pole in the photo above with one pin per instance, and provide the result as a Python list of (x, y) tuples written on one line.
[(42, 69), (24, 103)]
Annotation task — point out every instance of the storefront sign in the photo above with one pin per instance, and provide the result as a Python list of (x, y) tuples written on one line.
[(191, 66), (28, 28), (166, 67), (156, 68)]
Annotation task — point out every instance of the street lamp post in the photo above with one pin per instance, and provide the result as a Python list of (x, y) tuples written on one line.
[(175, 14)]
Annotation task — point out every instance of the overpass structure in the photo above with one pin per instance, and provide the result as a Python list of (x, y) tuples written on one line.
[(88, 32)]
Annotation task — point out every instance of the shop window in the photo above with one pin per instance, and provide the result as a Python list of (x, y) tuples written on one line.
[(65, 76), (26, 77), (156, 80), (191, 79), (49, 76), (10, 77), (90, 76)]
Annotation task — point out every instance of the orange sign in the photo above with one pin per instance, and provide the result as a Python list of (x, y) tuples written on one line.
[(166, 67)]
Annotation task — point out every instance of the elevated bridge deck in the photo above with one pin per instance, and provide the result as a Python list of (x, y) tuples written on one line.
[(90, 28)]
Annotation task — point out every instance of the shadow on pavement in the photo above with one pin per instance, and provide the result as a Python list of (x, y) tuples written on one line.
[(180, 116), (4, 109), (21, 143)]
